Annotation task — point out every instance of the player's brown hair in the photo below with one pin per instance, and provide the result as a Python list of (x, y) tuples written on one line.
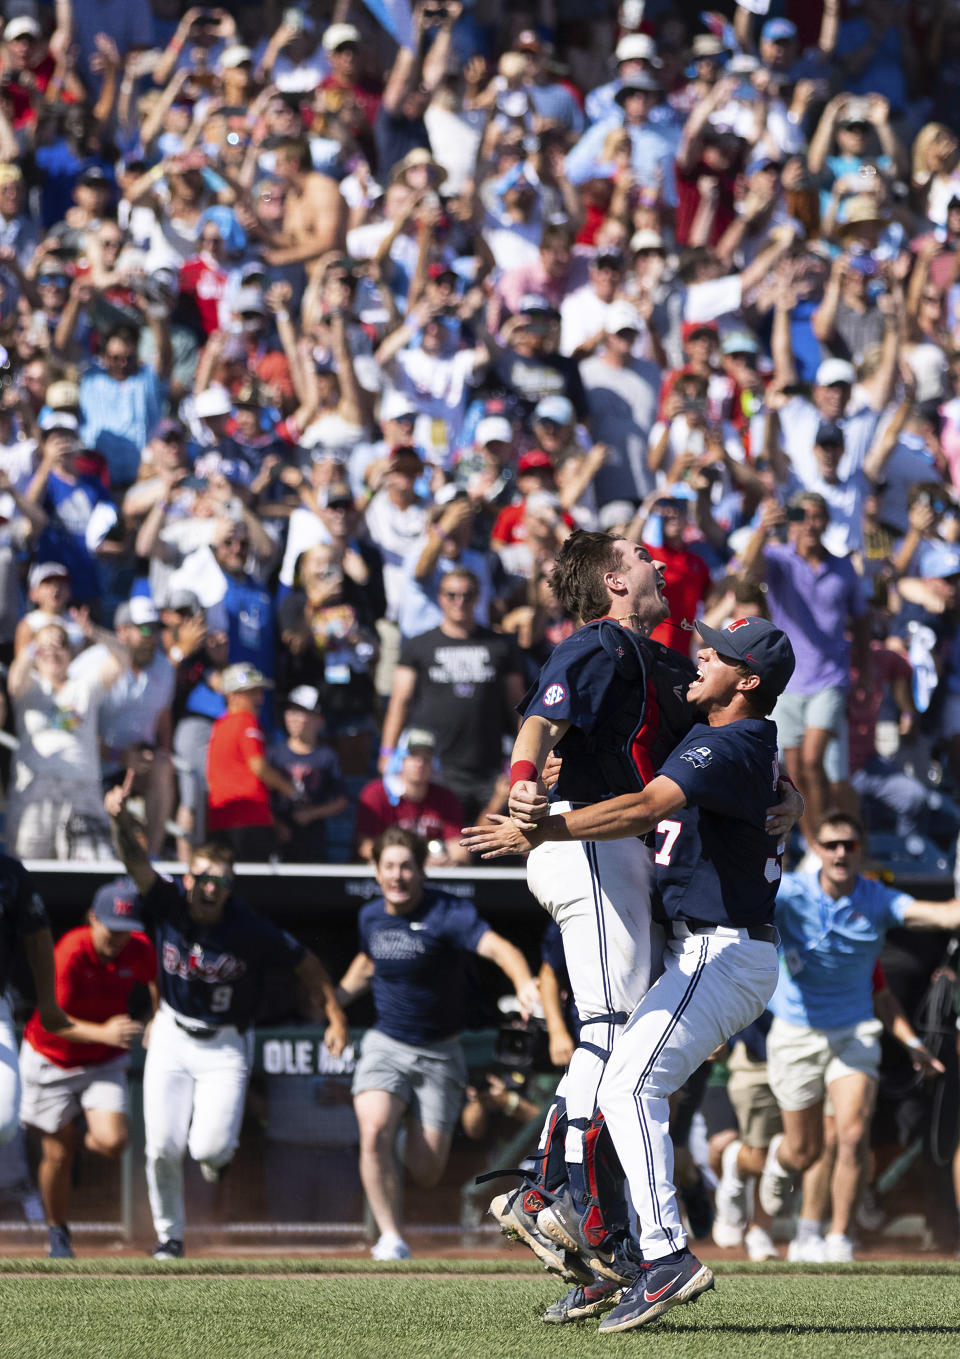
[(406, 839), (212, 849), (577, 581), (836, 816)]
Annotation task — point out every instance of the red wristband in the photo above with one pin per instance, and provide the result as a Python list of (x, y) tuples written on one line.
[(785, 778), (523, 771)]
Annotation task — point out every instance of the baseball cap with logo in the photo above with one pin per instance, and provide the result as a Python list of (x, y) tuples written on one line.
[(237, 679), (760, 645), (117, 905)]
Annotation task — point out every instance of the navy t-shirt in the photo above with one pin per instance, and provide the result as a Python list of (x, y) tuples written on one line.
[(625, 698), (714, 861), (420, 981), (214, 974), (21, 912)]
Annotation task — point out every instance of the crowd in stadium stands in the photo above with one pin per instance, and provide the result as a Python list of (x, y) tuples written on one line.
[(319, 337)]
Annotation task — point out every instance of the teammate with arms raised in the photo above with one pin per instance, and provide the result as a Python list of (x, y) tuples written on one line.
[(214, 953), (717, 871)]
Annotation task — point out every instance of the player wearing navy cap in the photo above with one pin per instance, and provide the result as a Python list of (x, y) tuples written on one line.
[(97, 967), (214, 952), (717, 871)]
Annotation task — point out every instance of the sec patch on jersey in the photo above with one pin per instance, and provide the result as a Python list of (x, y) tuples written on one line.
[(553, 694), (698, 756)]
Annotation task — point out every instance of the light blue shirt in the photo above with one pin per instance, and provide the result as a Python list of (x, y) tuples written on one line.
[(829, 949), (650, 150), (117, 416)]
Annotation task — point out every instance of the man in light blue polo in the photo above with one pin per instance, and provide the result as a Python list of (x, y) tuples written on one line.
[(816, 598), (824, 1040), (652, 148)]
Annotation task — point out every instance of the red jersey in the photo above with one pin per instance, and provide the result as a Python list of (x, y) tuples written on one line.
[(207, 285), (510, 524), (438, 817), (88, 988), (236, 796), (686, 582)]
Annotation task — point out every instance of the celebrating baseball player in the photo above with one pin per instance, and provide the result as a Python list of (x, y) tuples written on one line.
[(97, 967), (214, 951), (717, 870), (612, 704)]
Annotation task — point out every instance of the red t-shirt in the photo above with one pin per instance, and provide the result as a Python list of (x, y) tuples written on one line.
[(206, 284), (438, 817), (688, 201), (510, 526), (236, 796), (88, 988), (686, 582)]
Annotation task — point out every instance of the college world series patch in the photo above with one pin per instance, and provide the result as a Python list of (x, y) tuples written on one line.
[(553, 694), (698, 756)]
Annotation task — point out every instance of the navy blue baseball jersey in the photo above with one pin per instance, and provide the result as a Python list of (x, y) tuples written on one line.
[(625, 698), (214, 974), (420, 983), (714, 861), (21, 912)]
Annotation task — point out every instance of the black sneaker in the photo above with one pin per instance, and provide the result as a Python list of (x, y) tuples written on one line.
[(61, 1247), (580, 1302), (657, 1288), (168, 1250)]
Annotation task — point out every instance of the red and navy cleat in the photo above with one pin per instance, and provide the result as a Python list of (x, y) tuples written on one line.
[(658, 1287)]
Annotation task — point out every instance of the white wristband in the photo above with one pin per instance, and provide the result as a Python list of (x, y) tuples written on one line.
[(915, 1042)]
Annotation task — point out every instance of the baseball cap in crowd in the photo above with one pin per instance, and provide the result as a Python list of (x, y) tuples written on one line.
[(183, 601), (759, 645), (559, 409), (438, 271), (93, 175), (138, 612), (53, 269), (531, 303), (416, 738), (739, 342), (47, 571), (834, 371), (250, 299), (829, 435), (641, 83), (637, 47), (647, 239), (337, 495), (778, 30), (236, 55), (395, 406), (707, 45), (212, 402), (63, 395), (338, 35), (622, 316), (742, 63), (535, 461), (237, 679), (493, 429), (22, 27), (168, 428), (305, 696), (57, 420), (692, 328), (609, 256), (117, 905)]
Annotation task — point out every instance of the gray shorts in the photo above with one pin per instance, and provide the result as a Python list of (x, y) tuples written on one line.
[(54, 1095), (429, 1079), (827, 710)]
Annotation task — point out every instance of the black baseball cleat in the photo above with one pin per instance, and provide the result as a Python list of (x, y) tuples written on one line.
[(516, 1213), (168, 1250), (658, 1287), (562, 1222), (583, 1301)]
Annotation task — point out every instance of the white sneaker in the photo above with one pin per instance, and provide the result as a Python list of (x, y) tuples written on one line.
[(776, 1184), (730, 1201), (760, 1245), (838, 1248), (807, 1250), (391, 1247)]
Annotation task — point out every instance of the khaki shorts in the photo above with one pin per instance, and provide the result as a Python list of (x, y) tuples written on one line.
[(803, 1063), (429, 1079), (748, 1089), (53, 1095), (827, 711)]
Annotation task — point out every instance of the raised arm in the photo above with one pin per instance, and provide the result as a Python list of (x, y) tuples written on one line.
[(933, 915), (126, 837)]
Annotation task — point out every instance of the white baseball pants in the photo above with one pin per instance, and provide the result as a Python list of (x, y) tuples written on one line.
[(9, 1075), (193, 1096), (712, 986), (598, 892)]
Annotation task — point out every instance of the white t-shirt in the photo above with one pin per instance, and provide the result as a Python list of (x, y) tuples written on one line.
[(59, 732), (395, 532)]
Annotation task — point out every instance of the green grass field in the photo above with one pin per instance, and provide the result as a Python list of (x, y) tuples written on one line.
[(307, 1309)]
